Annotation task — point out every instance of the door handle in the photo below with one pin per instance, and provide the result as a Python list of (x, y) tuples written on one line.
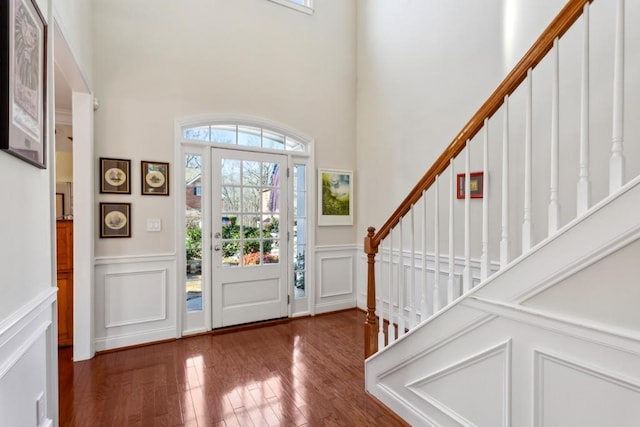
[(217, 248)]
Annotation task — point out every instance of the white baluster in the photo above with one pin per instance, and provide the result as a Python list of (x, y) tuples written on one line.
[(526, 224), (484, 258), (391, 330), (452, 192), (425, 288), (466, 275), (412, 278), (401, 284), (380, 303), (504, 234), (436, 248), (616, 165), (584, 185), (554, 206)]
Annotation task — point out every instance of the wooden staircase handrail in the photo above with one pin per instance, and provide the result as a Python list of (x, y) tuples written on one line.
[(560, 25)]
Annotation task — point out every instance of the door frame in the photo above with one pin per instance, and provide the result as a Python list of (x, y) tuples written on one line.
[(298, 307)]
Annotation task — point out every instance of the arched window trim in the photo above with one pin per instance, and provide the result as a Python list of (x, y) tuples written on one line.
[(237, 120)]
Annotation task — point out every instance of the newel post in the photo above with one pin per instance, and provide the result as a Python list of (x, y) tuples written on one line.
[(371, 323)]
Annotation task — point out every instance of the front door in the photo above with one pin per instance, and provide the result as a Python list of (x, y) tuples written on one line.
[(249, 257)]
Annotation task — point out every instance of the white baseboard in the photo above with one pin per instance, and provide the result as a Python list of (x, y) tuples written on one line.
[(128, 340)]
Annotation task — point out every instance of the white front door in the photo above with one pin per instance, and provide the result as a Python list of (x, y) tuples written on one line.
[(249, 237)]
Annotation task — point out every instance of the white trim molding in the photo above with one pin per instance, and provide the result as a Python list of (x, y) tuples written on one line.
[(28, 353), (304, 8), (136, 300), (335, 285)]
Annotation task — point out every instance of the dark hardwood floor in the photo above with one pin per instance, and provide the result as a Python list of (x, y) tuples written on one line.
[(307, 372)]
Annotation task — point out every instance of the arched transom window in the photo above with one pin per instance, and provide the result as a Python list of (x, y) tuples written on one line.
[(242, 135)]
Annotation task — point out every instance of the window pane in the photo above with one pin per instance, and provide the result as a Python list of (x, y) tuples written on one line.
[(230, 199), (299, 229), (249, 136), (271, 226), (252, 253), (230, 171), (271, 197), (251, 199), (293, 145), (298, 260), (271, 251), (300, 291), (193, 232), (272, 140), (251, 173), (199, 133), (271, 174), (231, 254), (223, 134)]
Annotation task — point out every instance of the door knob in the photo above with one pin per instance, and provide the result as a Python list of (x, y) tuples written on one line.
[(217, 248)]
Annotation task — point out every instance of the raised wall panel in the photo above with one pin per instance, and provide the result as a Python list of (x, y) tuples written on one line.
[(475, 390), (335, 287), (336, 276), (135, 301), (135, 297), (571, 394), (27, 347)]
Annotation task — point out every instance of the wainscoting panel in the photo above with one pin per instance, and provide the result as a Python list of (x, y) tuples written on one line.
[(28, 348), (135, 300), (335, 279), (124, 291), (557, 403), (475, 390), (490, 363)]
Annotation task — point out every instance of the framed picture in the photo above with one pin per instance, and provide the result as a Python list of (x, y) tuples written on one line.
[(155, 178), (335, 197), (23, 81), (114, 176), (115, 219), (476, 185)]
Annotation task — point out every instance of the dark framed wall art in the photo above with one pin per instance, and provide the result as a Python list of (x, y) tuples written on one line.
[(154, 178), (115, 220), (114, 176), (23, 81)]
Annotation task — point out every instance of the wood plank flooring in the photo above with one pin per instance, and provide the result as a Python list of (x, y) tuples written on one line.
[(307, 372)]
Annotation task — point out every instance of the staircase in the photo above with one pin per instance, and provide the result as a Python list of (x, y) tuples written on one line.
[(542, 327)]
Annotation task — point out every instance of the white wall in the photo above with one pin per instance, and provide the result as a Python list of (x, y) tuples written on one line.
[(420, 82), (161, 61), (420, 78), (25, 253), (74, 19)]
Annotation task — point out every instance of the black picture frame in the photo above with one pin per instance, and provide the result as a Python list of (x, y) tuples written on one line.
[(115, 176), (115, 220), (154, 178), (23, 92)]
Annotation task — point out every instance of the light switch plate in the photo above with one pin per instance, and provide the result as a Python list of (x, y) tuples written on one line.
[(154, 224)]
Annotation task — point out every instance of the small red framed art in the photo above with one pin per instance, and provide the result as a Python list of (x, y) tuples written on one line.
[(476, 185)]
